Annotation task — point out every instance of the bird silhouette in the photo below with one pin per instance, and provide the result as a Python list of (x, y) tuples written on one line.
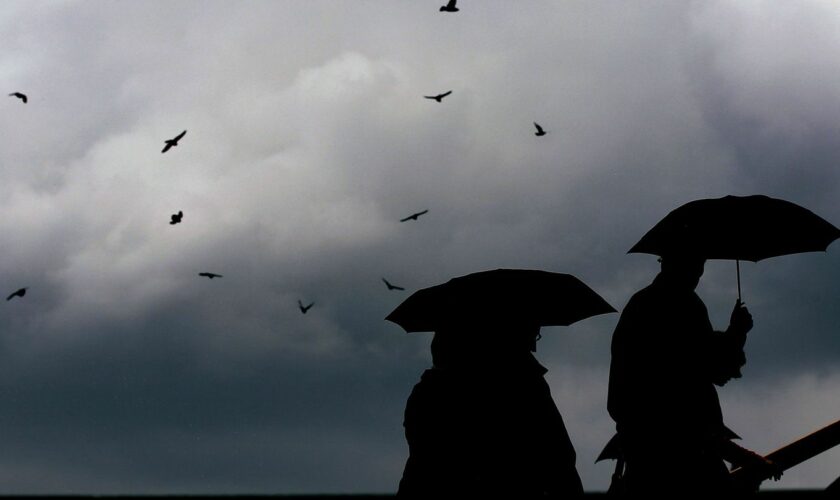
[(210, 275), (176, 218), (304, 308), (392, 287), (449, 7), (414, 216), (20, 96), (17, 293), (439, 97), (540, 132), (173, 142)]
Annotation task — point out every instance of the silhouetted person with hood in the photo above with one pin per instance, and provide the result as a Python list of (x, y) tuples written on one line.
[(481, 422), (666, 361)]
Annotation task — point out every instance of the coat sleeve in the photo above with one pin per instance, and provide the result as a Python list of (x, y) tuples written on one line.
[(726, 357), (560, 473)]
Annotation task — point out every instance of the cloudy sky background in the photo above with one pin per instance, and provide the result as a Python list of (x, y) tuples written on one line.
[(122, 371)]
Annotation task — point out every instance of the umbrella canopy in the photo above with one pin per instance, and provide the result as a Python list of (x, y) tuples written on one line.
[(739, 228), (518, 296)]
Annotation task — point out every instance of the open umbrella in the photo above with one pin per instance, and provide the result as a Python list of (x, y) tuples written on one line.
[(739, 228), (503, 295)]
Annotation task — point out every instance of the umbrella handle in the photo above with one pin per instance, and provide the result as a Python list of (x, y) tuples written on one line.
[(738, 273)]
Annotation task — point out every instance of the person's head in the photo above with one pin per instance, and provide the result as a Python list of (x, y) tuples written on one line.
[(473, 345), (531, 334), (514, 336), (683, 270), (451, 348)]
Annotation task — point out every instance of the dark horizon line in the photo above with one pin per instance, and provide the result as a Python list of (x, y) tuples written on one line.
[(782, 493)]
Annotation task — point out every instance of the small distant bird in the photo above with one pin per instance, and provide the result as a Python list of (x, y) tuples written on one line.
[(392, 287), (210, 275), (176, 218), (17, 293), (20, 96), (414, 216), (540, 132), (173, 142), (449, 7), (304, 308), (439, 97)]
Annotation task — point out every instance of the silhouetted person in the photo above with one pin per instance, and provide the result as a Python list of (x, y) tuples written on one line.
[(666, 361), (20, 96), (17, 293), (390, 286), (176, 218), (449, 7), (540, 132), (414, 216), (439, 97), (171, 143), (210, 275), (304, 309), (481, 422)]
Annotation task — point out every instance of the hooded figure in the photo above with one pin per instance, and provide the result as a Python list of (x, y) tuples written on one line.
[(482, 422)]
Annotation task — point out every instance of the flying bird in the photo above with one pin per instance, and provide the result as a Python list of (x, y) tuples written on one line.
[(18, 293), (20, 96), (414, 216), (173, 142), (540, 132), (176, 218), (449, 7), (439, 97), (304, 308), (210, 275), (392, 287)]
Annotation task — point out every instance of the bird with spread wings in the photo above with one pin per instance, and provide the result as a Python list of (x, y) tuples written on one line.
[(391, 286), (414, 216), (17, 293), (439, 97), (449, 7), (171, 143)]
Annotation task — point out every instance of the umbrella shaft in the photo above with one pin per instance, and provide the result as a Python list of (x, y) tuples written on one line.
[(738, 273)]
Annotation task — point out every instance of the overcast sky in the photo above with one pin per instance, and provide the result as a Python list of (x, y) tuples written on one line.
[(123, 371)]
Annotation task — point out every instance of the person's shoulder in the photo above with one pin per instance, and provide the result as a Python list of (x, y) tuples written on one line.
[(643, 297), (433, 376), (433, 383)]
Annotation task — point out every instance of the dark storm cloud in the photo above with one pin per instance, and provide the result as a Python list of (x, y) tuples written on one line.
[(770, 100), (151, 398)]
